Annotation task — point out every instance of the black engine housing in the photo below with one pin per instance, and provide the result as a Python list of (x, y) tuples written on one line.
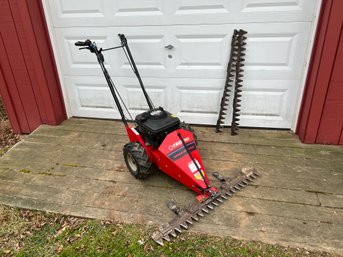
[(155, 124)]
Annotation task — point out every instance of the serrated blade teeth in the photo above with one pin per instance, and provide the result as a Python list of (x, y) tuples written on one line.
[(204, 210), (209, 206), (200, 214), (195, 218), (178, 229), (160, 242), (167, 238), (237, 188), (224, 197), (214, 203), (189, 222), (173, 233), (249, 179), (184, 226), (219, 200)]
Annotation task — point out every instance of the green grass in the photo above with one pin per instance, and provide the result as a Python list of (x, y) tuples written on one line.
[(24, 171), (33, 233)]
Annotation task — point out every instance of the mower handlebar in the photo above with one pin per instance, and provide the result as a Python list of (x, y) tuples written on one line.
[(83, 43)]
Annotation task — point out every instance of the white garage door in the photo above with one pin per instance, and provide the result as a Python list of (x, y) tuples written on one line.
[(187, 80)]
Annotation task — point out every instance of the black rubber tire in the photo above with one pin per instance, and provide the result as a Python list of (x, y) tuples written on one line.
[(137, 160), (187, 127)]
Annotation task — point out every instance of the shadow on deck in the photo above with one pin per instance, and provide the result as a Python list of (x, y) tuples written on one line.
[(78, 169)]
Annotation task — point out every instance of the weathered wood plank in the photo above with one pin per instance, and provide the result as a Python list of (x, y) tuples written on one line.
[(329, 200)]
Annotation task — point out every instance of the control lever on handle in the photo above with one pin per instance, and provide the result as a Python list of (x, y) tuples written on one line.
[(87, 47), (83, 43)]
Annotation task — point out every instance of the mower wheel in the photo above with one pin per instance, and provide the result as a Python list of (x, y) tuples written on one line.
[(187, 127), (137, 160)]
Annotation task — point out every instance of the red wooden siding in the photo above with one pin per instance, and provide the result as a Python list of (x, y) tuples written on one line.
[(28, 78), (321, 116), (331, 123)]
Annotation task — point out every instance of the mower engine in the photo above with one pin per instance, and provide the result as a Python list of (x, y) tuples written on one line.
[(154, 125)]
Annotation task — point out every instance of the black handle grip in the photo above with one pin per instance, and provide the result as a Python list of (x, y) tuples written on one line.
[(83, 43), (122, 39)]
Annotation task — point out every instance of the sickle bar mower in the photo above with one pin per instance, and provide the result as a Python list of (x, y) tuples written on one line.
[(160, 140)]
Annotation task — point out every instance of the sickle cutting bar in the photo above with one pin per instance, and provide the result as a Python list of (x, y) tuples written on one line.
[(195, 210)]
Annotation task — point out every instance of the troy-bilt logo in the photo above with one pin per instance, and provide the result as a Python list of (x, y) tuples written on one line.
[(181, 151), (178, 143)]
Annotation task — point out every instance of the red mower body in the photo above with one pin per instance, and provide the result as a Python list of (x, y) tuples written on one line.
[(172, 158)]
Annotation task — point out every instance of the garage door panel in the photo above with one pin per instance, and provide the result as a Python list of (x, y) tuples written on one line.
[(206, 96), (242, 11), (91, 13), (83, 62), (135, 98), (151, 12), (136, 8), (200, 52), (274, 5), (196, 99), (90, 9), (143, 46), (274, 51), (131, 92), (196, 7), (279, 96), (146, 45), (91, 96)]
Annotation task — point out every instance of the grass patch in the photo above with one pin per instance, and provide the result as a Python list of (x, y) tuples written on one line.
[(71, 165), (33, 233), (24, 171), (48, 173)]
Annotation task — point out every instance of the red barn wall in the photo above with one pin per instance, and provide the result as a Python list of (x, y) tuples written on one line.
[(331, 123), (29, 82), (321, 117)]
